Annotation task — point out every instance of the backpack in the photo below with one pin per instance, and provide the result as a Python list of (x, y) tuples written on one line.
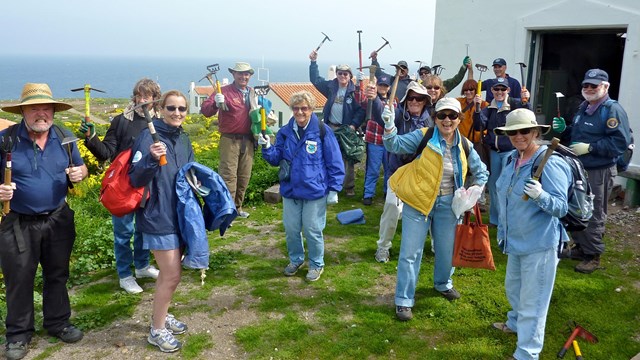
[(425, 139), (116, 193), (622, 162), (580, 197)]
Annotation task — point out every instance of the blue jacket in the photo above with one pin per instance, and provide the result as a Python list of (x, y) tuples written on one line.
[(160, 215), (219, 212), (491, 117), (608, 137), (514, 87), (352, 112), (316, 164), (526, 227)]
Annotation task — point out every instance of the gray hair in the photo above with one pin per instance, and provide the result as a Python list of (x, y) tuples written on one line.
[(303, 96)]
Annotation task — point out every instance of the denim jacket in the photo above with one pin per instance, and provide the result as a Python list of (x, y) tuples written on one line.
[(526, 227)]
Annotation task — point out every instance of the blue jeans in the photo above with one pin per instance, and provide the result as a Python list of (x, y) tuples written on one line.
[(123, 229), (496, 163), (307, 217), (529, 284), (376, 157), (415, 226)]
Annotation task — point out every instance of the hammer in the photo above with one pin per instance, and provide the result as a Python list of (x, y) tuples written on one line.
[(524, 86), (326, 37), (87, 102), (372, 78), (386, 42), (578, 331)]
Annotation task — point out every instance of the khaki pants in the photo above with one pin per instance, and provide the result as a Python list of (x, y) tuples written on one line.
[(236, 161)]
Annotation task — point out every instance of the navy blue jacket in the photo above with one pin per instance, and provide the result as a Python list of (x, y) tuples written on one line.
[(352, 112), (491, 117), (160, 215)]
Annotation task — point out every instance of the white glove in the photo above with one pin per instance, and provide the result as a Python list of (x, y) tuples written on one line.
[(389, 117), (533, 188), (332, 198), (219, 98), (360, 76), (580, 148), (264, 141)]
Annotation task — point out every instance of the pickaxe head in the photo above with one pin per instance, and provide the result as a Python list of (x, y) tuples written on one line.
[(326, 37), (143, 104), (583, 333), (482, 68), (214, 68), (68, 140), (522, 65), (370, 67), (88, 88), (386, 43)]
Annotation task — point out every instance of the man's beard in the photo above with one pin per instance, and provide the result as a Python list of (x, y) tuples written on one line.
[(600, 93)]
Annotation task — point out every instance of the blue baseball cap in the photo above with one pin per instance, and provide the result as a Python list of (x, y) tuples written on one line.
[(595, 77), (384, 80), (500, 61)]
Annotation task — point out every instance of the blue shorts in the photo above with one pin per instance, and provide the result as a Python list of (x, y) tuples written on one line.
[(160, 242)]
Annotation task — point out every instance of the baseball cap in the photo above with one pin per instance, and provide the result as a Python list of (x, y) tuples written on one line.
[(500, 82), (595, 77), (384, 80), (425, 68), (448, 103), (344, 67), (500, 61), (402, 64)]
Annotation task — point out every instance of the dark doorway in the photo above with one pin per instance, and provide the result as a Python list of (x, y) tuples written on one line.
[(565, 57)]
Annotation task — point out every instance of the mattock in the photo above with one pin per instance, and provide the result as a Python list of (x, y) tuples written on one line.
[(87, 103), (213, 69)]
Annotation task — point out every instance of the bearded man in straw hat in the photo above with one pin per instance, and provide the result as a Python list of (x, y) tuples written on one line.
[(39, 228), (233, 105)]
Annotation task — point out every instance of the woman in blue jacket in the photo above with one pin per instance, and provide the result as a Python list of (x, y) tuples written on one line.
[(311, 175), (158, 220), (529, 231)]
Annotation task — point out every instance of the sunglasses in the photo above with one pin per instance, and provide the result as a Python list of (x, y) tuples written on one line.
[(463, 90), (590, 86), (499, 88), (443, 115), (433, 87), (300, 108), (423, 73), (416, 98), (172, 108), (519, 131), (343, 73)]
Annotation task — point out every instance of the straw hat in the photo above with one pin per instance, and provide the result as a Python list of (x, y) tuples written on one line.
[(33, 94), (241, 67), (521, 119)]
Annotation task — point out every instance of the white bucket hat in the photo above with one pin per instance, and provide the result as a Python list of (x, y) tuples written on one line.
[(241, 67), (521, 119)]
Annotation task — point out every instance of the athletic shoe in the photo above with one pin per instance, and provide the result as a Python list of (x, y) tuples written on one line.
[(150, 272), (164, 340), (130, 285), (382, 255), (16, 350), (503, 327), (403, 313), (70, 334), (243, 214), (451, 294), (175, 326), (314, 274), (292, 269)]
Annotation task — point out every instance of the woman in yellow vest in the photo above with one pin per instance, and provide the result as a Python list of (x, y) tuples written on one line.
[(426, 186)]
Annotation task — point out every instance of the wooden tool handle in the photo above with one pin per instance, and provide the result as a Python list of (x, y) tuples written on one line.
[(547, 155), (7, 181)]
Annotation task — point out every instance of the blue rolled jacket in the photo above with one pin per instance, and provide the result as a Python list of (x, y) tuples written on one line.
[(352, 112)]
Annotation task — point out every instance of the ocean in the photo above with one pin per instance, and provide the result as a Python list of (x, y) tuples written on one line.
[(117, 76)]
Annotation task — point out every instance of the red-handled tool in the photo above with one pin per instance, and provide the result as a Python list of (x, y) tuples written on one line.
[(577, 331)]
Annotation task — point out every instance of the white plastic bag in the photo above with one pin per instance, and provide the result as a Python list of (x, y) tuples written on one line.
[(465, 199)]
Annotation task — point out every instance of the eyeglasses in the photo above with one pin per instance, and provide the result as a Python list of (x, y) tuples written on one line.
[(519, 131), (463, 90), (590, 86), (443, 115), (304, 109), (433, 87), (416, 98), (343, 73), (172, 108), (499, 88)]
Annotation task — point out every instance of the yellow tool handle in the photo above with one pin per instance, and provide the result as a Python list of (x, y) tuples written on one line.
[(218, 89), (479, 92), (263, 120), (87, 101), (576, 349)]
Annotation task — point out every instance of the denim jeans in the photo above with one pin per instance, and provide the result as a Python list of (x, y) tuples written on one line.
[(307, 217), (415, 226), (123, 229), (376, 157), (529, 284), (496, 162)]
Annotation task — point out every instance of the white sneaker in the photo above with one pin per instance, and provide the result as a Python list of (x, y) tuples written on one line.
[(130, 285), (243, 214), (150, 271)]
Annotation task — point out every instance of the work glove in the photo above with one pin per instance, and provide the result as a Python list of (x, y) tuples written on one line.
[(264, 141), (558, 124), (533, 188), (580, 148), (87, 127), (389, 117), (332, 198), (360, 76), (219, 98), (466, 61)]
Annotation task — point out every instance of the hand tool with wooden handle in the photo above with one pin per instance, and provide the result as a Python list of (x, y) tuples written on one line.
[(547, 155)]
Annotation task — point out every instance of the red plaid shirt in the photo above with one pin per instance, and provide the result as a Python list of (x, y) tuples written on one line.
[(374, 132)]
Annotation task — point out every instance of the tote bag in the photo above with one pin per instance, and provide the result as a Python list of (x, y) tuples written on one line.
[(472, 247)]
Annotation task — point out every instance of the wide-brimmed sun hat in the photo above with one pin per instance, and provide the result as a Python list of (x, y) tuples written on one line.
[(521, 119), (242, 67), (416, 88), (35, 94)]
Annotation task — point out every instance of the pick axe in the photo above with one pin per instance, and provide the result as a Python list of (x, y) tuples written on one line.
[(536, 176), (386, 42), (481, 68), (524, 86), (87, 103), (261, 91), (372, 78), (152, 129), (213, 69), (394, 87), (326, 37), (578, 331)]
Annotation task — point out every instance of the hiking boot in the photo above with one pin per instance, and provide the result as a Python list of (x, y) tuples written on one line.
[(150, 271), (451, 294), (367, 201), (243, 214), (175, 326), (587, 266), (382, 255), (502, 327), (573, 253), (314, 274), (349, 193), (130, 285), (403, 313), (70, 334), (292, 269), (164, 340), (16, 350)]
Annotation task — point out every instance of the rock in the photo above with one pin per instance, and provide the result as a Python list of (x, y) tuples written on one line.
[(272, 194)]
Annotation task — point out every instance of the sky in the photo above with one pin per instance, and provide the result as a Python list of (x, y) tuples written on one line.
[(275, 30)]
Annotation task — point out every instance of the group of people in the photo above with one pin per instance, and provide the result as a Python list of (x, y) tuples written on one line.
[(428, 144)]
